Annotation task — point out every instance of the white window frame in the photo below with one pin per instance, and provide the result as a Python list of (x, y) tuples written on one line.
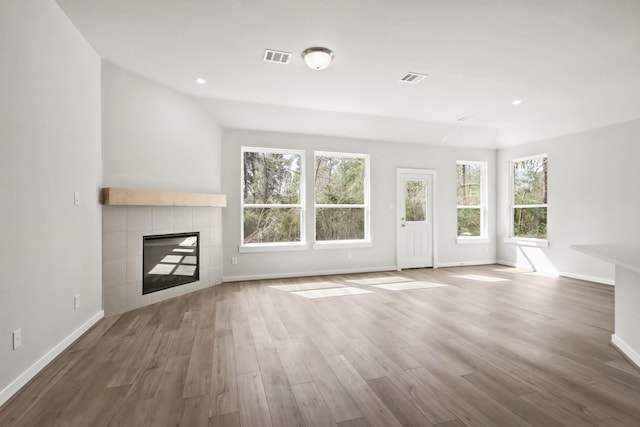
[(484, 234), (524, 241), (354, 243), (275, 246)]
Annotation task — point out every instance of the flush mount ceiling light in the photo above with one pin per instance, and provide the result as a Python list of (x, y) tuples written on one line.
[(317, 58), (200, 80), (516, 102)]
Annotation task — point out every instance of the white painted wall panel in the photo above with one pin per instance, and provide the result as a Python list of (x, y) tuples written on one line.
[(49, 148), (593, 198), (155, 138)]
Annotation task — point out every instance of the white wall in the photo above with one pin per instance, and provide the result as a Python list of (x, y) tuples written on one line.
[(155, 138), (593, 197), (49, 148), (386, 157)]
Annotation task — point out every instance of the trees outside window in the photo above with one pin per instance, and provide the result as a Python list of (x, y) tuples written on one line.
[(416, 201), (471, 195), (341, 196), (529, 197), (272, 196)]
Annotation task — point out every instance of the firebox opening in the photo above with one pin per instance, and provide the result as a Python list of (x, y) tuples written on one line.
[(170, 260)]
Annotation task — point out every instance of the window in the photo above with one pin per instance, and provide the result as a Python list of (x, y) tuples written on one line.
[(415, 200), (529, 198), (472, 201), (341, 197), (272, 197)]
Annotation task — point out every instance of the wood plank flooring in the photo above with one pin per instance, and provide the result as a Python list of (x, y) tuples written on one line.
[(464, 346)]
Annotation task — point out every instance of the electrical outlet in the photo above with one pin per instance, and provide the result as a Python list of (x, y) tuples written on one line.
[(234, 260), (76, 301), (17, 338)]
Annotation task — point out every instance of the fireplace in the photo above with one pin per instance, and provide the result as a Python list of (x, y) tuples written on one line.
[(170, 260)]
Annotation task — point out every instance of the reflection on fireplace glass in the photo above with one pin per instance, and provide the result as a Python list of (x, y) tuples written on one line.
[(170, 260)]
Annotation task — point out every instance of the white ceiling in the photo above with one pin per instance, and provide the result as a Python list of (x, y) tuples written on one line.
[(574, 63)]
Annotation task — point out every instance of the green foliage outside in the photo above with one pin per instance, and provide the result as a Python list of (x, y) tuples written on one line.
[(271, 225), (469, 181), (339, 224), (271, 178), (339, 181), (469, 194), (274, 179), (530, 188), (469, 222), (530, 222), (415, 207)]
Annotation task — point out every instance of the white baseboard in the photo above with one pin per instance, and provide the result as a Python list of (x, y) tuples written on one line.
[(466, 263), (601, 280), (627, 351), (514, 265), (27, 375), (585, 277), (309, 273)]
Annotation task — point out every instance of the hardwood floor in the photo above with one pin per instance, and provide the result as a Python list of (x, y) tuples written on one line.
[(468, 346)]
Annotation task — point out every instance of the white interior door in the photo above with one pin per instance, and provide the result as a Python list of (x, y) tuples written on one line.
[(415, 218)]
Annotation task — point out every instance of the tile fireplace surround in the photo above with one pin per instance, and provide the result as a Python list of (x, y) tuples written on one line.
[(122, 231)]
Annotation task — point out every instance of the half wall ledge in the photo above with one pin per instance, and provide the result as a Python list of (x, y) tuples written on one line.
[(130, 197)]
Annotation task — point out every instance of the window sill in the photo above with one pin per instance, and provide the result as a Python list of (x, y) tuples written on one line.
[(344, 244), (272, 247), (472, 240), (539, 243)]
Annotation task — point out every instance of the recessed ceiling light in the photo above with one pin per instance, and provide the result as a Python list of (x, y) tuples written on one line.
[(200, 80), (516, 102)]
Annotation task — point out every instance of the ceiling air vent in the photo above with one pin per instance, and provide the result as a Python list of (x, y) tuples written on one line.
[(412, 78), (277, 56)]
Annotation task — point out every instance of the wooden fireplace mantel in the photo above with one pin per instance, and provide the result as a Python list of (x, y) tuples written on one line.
[(129, 197)]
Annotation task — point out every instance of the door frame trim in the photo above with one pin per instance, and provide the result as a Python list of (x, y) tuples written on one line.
[(434, 192)]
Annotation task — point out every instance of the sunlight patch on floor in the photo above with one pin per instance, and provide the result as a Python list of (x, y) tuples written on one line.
[(482, 278), (332, 292), (380, 280), (331, 289), (406, 286), (543, 273), (306, 286)]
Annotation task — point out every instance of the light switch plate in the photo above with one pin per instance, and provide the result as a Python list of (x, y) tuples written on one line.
[(17, 338)]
